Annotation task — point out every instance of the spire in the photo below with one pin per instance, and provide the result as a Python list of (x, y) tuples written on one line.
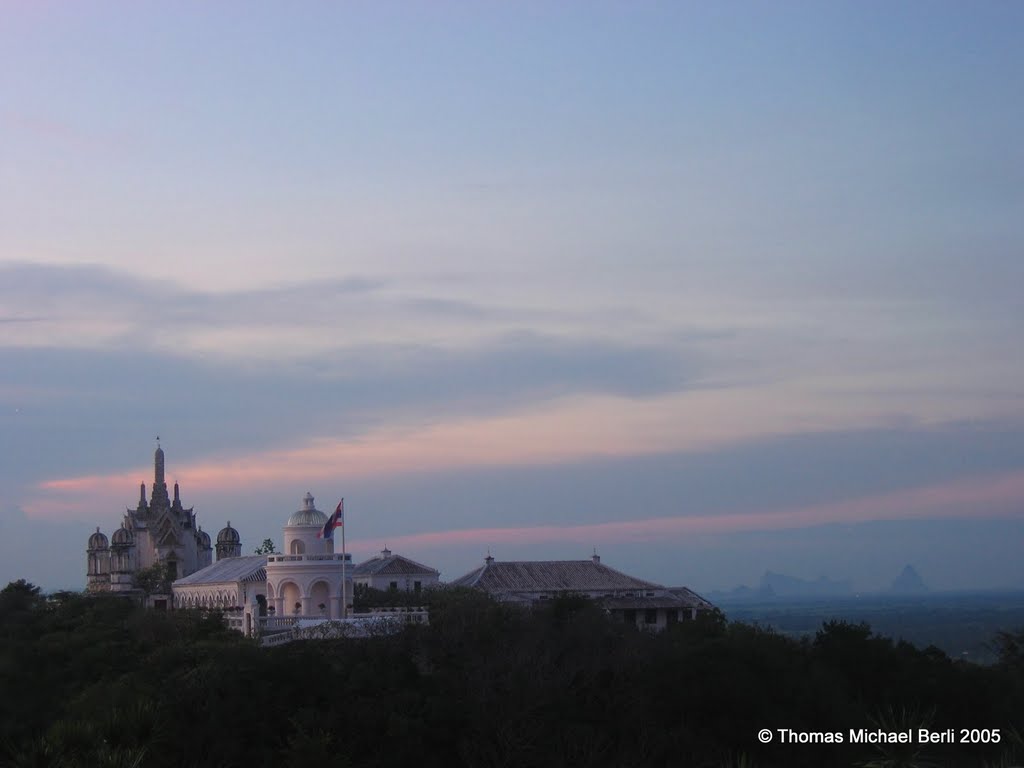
[(159, 499), (177, 497), (158, 464), (142, 494)]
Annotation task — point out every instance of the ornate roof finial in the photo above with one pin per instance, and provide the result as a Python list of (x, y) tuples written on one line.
[(158, 466)]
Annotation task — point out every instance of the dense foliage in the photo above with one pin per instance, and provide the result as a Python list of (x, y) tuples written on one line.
[(266, 548), (100, 682), (367, 598)]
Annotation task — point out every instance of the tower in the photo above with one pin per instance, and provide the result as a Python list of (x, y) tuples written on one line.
[(157, 531), (229, 543), (159, 499), (98, 562)]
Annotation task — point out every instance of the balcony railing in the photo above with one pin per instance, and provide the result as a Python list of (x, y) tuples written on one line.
[(278, 630), (337, 556)]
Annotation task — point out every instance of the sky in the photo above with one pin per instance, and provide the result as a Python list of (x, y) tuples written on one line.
[(709, 289)]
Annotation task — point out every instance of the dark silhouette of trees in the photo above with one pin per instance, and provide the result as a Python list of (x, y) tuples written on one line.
[(99, 681), (1009, 647)]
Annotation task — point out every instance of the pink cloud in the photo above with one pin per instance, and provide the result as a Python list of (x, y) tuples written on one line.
[(568, 431), (981, 497), (560, 431)]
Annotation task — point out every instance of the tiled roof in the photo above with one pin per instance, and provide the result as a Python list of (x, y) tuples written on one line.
[(230, 569), (391, 565), (691, 598), (549, 576)]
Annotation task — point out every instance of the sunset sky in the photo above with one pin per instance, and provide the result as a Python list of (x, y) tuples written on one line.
[(710, 288)]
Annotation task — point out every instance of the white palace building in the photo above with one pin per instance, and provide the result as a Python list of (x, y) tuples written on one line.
[(309, 581)]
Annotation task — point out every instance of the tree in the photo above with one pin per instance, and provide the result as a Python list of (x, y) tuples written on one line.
[(266, 548), (1009, 647), (154, 580), (19, 596)]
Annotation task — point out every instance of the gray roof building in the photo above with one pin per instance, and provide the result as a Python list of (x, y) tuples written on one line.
[(231, 569), (390, 571), (551, 576), (388, 564), (228, 584), (624, 597)]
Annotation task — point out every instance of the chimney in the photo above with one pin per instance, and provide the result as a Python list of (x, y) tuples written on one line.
[(385, 553), (488, 560), (596, 557)]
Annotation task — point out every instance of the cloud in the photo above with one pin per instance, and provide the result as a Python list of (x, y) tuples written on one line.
[(103, 397), (20, 319), (975, 498), (94, 307), (582, 459)]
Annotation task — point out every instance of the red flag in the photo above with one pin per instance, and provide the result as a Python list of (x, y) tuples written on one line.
[(336, 520)]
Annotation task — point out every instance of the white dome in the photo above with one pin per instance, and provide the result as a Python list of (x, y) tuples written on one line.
[(309, 515)]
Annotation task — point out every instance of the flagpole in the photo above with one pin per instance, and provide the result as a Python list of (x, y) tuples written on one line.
[(344, 584)]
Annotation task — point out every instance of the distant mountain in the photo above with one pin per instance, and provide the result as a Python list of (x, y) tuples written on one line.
[(909, 582), (741, 593), (783, 585), (779, 585)]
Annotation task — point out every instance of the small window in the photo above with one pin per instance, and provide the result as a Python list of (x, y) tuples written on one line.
[(651, 616), (393, 586), (417, 586), (671, 617)]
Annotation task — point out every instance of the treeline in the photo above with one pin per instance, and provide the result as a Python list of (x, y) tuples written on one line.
[(100, 682)]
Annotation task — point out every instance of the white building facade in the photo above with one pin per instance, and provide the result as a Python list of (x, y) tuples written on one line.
[(309, 578)]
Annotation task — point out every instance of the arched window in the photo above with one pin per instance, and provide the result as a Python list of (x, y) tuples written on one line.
[(298, 547)]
